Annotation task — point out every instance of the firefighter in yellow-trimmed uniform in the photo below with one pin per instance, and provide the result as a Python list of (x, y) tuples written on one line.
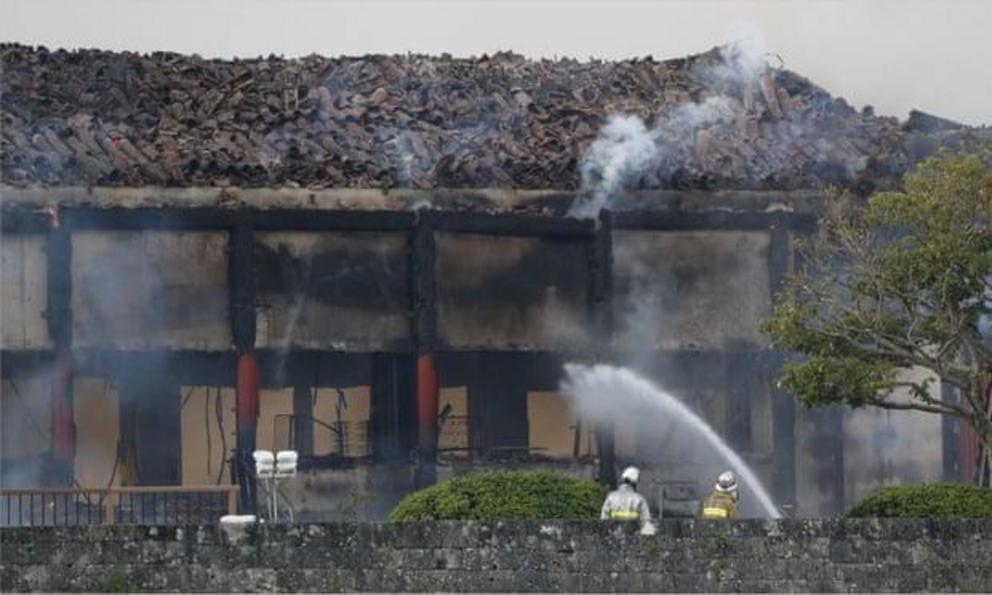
[(722, 503), (624, 503)]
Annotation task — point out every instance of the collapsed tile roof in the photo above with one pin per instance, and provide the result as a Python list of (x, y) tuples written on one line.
[(123, 119)]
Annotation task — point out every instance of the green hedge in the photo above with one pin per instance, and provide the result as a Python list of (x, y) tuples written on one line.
[(504, 495), (936, 500)]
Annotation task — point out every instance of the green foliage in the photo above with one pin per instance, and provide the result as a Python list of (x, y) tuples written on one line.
[(937, 500), (896, 282), (504, 495), (828, 379)]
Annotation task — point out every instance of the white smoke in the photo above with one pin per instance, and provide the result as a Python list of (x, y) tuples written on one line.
[(744, 58), (624, 149), (690, 116), (627, 149)]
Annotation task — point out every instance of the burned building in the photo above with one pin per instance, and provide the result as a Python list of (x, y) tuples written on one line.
[(375, 261)]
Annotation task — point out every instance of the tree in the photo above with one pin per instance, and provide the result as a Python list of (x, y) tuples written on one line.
[(900, 281)]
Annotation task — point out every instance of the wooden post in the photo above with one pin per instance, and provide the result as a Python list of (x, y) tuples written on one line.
[(232, 500), (783, 406), (424, 331), (59, 317), (108, 506), (302, 427), (600, 253), (242, 300)]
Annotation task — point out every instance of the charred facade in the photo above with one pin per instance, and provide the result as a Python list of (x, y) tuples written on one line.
[(202, 258)]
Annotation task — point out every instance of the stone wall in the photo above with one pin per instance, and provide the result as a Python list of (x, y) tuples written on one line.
[(825, 555)]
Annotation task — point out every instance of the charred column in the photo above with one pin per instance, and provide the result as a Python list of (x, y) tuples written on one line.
[(59, 315), (783, 406), (601, 318), (302, 419), (242, 288), (424, 333)]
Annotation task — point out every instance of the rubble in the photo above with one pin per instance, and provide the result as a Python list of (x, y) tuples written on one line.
[(93, 117)]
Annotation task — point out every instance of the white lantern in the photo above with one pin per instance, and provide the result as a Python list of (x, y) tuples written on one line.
[(264, 463), (286, 463)]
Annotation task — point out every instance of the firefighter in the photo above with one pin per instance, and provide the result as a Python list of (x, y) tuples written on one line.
[(624, 503), (722, 503)]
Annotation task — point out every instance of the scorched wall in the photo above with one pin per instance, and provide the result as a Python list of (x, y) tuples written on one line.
[(679, 293)]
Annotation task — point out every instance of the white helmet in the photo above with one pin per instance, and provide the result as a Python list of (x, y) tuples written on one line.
[(630, 475), (726, 482)]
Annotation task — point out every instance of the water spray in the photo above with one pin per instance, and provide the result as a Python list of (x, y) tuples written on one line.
[(599, 392)]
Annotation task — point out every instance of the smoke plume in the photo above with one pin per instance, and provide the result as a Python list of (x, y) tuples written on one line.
[(624, 150), (628, 149)]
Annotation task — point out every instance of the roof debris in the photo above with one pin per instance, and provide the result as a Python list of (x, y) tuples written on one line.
[(95, 117)]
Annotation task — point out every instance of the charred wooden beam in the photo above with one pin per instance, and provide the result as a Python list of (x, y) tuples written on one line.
[(337, 220), (248, 379), (424, 309), (58, 253), (25, 363), (513, 225), (644, 220), (600, 254), (313, 367), (784, 445), (205, 218), (59, 317), (423, 284), (779, 256), (241, 276), (152, 218), (600, 251), (24, 220), (187, 367), (540, 369), (302, 419), (783, 405)]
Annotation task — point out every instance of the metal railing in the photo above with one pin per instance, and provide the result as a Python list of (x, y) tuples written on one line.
[(345, 438), (141, 505)]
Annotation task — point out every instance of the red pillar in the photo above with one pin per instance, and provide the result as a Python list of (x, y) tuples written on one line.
[(246, 406), (428, 395), (63, 428), (246, 413)]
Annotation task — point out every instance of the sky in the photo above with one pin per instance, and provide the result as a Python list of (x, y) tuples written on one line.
[(893, 54)]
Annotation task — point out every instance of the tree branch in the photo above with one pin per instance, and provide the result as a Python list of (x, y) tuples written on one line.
[(943, 409)]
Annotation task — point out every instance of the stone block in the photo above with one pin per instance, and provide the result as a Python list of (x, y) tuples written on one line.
[(658, 582), (332, 580), (416, 535), (496, 580), (692, 583), (383, 579), (454, 534), (822, 555)]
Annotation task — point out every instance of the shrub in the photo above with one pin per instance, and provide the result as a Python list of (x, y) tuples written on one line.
[(936, 500), (504, 495)]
